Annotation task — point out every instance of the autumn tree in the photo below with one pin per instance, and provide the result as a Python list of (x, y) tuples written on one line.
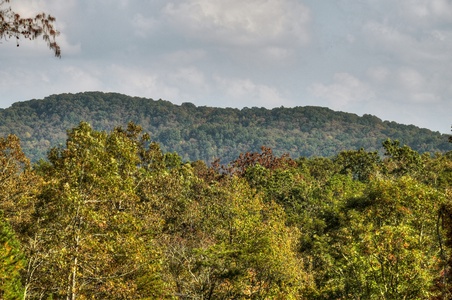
[(19, 186), (13, 25), (266, 159), (88, 215), (235, 247), (361, 165), (401, 160), (388, 247), (12, 262), (18, 183)]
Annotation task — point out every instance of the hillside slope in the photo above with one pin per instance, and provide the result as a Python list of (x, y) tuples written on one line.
[(207, 133)]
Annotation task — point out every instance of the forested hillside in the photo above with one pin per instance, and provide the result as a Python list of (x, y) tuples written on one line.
[(109, 215), (208, 133)]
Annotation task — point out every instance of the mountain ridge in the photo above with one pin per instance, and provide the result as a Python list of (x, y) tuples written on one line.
[(207, 133)]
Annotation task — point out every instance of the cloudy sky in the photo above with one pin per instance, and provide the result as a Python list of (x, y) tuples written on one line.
[(392, 59)]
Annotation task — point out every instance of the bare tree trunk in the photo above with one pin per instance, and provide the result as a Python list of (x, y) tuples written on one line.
[(72, 284)]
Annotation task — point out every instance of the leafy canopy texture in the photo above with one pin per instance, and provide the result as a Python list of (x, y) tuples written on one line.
[(12, 261), (208, 133), (12, 25), (110, 215), (89, 216)]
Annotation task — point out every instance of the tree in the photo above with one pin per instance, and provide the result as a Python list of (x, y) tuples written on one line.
[(89, 216), (11, 263), (388, 247), (361, 165), (12, 25), (266, 159), (18, 183), (402, 160), (238, 248), (19, 187)]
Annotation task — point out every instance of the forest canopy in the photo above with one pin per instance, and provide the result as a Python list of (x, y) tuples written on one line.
[(110, 215), (208, 133)]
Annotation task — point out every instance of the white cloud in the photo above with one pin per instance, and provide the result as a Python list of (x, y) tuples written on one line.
[(143, 25), (378, 74), (189, 79), (58, 9), (439, 35), (237, 22), (350, 38), (80, 78), (139, 82), (410, 79), (405, 84), (61, 10), (240, 92), (409, 46), (183, 57), (416, 87), (385, 57), (386, 37), (277, 54), (433, 10), (427, 98), (29, 8), (59, 78), (344, 91)]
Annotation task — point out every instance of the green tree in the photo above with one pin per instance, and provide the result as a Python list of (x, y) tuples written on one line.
[(361, 165), (389, 246), (12, 262), (438, 170), (321, 219), (18, 183), (402, 160), (88, 217), (19, 187), (242, 249)]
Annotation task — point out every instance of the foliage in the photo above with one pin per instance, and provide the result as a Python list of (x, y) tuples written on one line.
[(402, 160), (12, 25), (361, 165), (392, 250), (18, 183), (11, 263), (89, 218), (112, 215), (207, 133), (242, 250)]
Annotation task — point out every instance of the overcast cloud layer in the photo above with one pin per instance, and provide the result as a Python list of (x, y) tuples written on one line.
[(392, 59)]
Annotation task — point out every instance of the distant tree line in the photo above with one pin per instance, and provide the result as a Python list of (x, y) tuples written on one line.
[(207, 133)]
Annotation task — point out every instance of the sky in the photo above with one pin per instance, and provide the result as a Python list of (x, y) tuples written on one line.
[(391, 59)]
